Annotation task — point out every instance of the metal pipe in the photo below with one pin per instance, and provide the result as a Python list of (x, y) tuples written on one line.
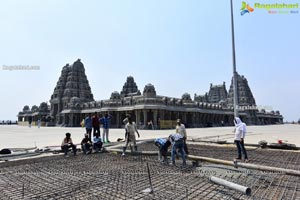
[(246, 165), (223, 162), (150, 153), (219, 161), (231, 185), (235, 93)]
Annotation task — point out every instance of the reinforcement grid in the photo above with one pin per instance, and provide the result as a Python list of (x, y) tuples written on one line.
[(110, 176)]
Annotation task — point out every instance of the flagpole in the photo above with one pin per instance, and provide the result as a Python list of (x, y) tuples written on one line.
[(235, 94)]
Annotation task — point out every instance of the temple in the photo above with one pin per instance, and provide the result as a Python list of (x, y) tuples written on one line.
[(72, 100)]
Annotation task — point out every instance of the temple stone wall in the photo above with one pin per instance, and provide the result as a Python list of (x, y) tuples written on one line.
[(72, 100)]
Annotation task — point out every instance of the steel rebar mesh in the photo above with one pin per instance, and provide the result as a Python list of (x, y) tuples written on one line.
[(110, 176)]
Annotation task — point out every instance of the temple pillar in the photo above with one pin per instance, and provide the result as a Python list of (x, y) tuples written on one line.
[(202, 118), (185, 117), (78, 120), (209, 118), (218, 121), (64, 119), (155, 118), (71, 120), (137, 118), (161, 114), (193, 120), (197, 120), (118, 125), (213, 118), (145, 117)]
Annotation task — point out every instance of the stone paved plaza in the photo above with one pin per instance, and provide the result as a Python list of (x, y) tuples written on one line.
[(21, 136)]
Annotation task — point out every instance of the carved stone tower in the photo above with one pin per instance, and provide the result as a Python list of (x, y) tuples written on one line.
[(245, 97), (72, 83), (217, 93)]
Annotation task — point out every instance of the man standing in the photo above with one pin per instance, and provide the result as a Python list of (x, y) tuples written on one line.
[(106, 124), (130, 135), (88, 125), (39, 123), (29, 121), (96, 125), (125, 121), (240, 133), (180, 128)]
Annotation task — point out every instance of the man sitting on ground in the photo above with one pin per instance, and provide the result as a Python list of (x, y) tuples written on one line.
[(68, 143), (86, 144), (97, 143)]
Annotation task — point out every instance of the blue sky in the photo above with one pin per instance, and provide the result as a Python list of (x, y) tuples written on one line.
[(178, 46)]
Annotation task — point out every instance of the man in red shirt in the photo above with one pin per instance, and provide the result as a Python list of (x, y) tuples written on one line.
[(96, 124)]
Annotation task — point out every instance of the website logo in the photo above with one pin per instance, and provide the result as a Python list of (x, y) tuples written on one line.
[(246, 8), (278, 8)]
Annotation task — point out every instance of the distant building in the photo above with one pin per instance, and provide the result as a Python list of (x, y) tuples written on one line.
[(72, 100)]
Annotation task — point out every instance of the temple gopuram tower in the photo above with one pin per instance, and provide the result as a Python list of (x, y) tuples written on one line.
[(130, 88), (71, 83), (217, 93), (245, 96), (246, 101)]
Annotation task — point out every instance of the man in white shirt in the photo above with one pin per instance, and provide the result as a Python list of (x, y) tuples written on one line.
[(97, 143), (68, 143), (131, 129), (180, 128), (240, 133), (177, 143)]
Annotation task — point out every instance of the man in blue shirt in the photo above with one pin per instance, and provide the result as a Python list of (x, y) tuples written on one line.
[(88, 122), (163, 145), (105, 121)]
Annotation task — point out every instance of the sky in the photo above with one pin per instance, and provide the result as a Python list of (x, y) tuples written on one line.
[(178, 46)]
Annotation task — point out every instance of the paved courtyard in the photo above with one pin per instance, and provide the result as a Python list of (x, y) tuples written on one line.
[(21, 136)]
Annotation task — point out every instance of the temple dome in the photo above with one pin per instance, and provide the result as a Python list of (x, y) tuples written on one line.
[(149, 91), (115, 95), (130, 88), (186, 97)]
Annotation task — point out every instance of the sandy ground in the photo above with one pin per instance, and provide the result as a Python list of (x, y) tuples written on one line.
[(20, 136)]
